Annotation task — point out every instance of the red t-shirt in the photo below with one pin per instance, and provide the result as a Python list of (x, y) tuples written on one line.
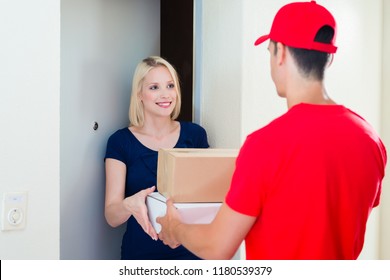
[(311, 177)]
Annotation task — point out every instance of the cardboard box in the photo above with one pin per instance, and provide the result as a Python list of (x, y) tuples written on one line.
[(195, 175), (191, 213)]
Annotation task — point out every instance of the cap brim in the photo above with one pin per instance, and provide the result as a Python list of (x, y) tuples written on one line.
[(261, 39)]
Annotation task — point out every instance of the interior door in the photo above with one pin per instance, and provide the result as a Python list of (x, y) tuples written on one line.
[(101, 43)]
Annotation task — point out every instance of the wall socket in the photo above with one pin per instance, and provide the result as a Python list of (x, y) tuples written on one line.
[(14, 211)]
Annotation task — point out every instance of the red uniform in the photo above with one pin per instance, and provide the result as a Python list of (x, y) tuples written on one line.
[(311, 177)]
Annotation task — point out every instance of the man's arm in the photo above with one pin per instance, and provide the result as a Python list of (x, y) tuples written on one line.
[(218, 240)]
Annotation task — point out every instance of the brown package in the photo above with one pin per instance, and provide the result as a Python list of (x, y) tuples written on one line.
[(195, 175)]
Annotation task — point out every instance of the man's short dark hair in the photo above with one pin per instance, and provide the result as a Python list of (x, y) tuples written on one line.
[(312, 63)]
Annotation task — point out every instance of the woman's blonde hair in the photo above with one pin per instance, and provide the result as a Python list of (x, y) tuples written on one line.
[(136, 109)]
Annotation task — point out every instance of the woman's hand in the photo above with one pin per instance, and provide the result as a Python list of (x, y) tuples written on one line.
[(137, 206)]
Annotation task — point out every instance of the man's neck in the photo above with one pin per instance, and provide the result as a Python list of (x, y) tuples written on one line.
[(307, 91)]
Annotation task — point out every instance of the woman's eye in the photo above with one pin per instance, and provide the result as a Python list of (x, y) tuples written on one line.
[(153, 87), (171, 85)]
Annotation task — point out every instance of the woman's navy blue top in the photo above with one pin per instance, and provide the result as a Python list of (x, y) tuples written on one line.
[(141, 166)]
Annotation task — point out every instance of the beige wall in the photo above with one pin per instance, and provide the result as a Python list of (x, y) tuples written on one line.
[(238, 95)]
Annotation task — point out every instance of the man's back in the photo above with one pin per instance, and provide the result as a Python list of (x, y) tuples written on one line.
[(311, 177)]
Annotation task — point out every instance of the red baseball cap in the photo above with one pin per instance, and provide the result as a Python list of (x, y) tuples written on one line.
[(296, 25)]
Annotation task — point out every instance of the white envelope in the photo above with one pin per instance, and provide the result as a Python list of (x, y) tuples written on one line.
[(191, 213)]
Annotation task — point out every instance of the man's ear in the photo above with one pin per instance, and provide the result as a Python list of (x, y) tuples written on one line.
[(330, 61), (281, 53)]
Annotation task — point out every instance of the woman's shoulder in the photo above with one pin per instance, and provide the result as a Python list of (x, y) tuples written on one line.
[(119, 135), (193, 135), (191, 127), (116, 145)]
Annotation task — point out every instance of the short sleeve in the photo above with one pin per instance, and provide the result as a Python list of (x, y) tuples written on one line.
[(115, 147), (382, 157), (202, 138)]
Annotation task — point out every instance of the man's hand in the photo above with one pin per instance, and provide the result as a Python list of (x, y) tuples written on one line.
[(169, 224)]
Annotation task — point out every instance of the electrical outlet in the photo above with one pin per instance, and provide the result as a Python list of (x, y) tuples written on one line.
[(14, 211)]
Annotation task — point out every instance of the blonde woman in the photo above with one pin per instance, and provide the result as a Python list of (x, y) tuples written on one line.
[(131, 157)]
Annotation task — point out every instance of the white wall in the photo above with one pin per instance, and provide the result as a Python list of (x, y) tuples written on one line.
[(29, 121), (385, 131), (219, 49), (237, 93)]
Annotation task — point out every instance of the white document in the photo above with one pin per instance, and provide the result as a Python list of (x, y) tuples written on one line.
[(191, 213)]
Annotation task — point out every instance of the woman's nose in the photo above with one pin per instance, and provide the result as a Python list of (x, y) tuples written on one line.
[(164, 93)]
